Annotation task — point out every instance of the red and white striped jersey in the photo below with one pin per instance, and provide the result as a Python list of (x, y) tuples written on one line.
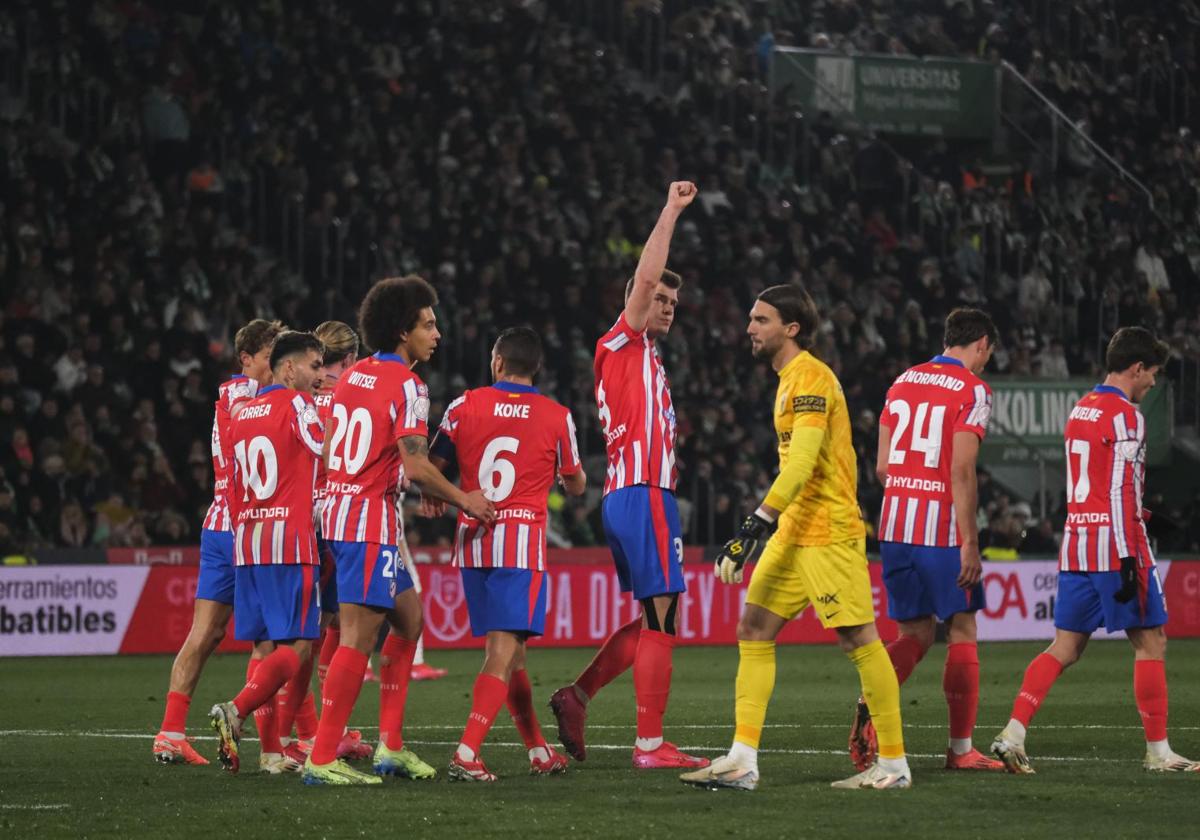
[(926, 406), (510, 442), (636, 412), (276, 439), (376, 402), (237, 389), (1106, 467), (323, 400)]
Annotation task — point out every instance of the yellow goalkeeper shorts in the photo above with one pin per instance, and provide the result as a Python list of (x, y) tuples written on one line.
[(833, 578)]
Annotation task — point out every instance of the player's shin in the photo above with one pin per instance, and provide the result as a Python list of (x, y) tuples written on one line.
[(520, 706), (487, 696), (174, 723), (293, 697), (395, 670), (1039, 678), (330, 642), (342, 685), (754, 686), (960, 683), (1150, 691), (881, 690), (614, 658), (652, 685)]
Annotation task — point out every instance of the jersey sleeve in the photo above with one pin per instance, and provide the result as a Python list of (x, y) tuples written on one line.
[(237, 393), (1129, 440), (410, 410), (975, 412), (886, 418), (445, 441), (567, 447), (307, 424), (810, 403), (620, 335)]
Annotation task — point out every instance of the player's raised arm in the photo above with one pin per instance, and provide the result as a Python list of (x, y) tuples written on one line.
[(414, 449), (964, 490), (654, 255)]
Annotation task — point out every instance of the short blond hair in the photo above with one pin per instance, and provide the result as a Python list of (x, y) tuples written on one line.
[(339, 338)]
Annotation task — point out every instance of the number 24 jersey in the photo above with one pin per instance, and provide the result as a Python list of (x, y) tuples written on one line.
[(510, 442), (925, 407)]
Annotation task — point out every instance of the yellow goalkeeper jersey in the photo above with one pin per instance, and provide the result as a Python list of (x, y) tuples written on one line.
[(826, 509)]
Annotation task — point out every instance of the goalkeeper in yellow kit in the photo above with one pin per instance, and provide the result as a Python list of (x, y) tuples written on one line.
[(817, 556)]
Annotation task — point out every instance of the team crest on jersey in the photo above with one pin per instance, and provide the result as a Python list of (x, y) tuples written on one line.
[(421, 408), (309, 416), (1129, 450)]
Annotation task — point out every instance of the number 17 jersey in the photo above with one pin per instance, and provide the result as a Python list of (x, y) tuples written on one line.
[(926, 406), (510, 442)]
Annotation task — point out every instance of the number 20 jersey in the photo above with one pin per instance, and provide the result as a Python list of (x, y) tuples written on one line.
[(926, 406), (510, 442), (1106, 465), (376, 403)]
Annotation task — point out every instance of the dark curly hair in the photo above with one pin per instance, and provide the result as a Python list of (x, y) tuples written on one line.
[(392, 308)]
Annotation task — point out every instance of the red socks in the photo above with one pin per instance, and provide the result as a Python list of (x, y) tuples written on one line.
[(292, 697), (263, 679), (330, 642), (613, 659), (395, 668), (520, 706), (1039, 676), (342, 685), (175, 718), (652, 680), (1150, 690), (486, 699), (960, 682), (905, 652), (306, 718)]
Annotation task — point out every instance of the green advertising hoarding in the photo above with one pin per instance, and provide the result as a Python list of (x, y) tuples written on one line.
[(896, 94), (1029, 415)]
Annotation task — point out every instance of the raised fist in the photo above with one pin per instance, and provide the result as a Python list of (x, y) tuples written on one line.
[(680, 194)]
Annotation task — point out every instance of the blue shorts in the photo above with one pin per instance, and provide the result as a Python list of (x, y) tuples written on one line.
[(215, 582), (369, 574), (922, 580), (329, 596), (642, 527), (513, 600), (1085, 603), (276, 603)]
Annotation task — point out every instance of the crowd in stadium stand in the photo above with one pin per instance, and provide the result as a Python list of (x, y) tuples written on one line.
[(150, 156)]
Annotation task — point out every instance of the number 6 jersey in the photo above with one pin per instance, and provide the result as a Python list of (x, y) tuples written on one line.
[(510, 442), (1106, 465), (276, 441), (925, 406), (376, 403)]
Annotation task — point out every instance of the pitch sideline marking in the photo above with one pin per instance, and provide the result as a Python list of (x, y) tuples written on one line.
[(48, 733)]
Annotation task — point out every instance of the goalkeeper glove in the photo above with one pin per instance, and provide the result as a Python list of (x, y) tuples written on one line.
[(740, 549), (1129, 581)]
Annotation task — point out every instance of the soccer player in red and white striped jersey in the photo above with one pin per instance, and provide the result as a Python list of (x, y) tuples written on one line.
[(215, 585), (1106, 574), (510, 442), (276, 439), (929, 434), (377, 437), (641, 518)]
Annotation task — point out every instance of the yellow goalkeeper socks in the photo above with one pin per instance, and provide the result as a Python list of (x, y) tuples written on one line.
[(755, 682), (882, 693)]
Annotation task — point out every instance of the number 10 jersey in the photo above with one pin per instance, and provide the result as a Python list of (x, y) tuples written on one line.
[(925, 406), (510, 442)]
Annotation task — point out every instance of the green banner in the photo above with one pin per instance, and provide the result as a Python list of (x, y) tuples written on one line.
[(1029, 415), (901, 95)]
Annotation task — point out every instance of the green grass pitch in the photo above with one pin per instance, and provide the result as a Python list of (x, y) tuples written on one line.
[(76, 735)]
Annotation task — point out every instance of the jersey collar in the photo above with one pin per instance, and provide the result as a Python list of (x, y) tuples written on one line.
[(269, 389), (939, 359), (793, 363), (514, 388), (391, 357), (239, 376), (1110, 389)]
